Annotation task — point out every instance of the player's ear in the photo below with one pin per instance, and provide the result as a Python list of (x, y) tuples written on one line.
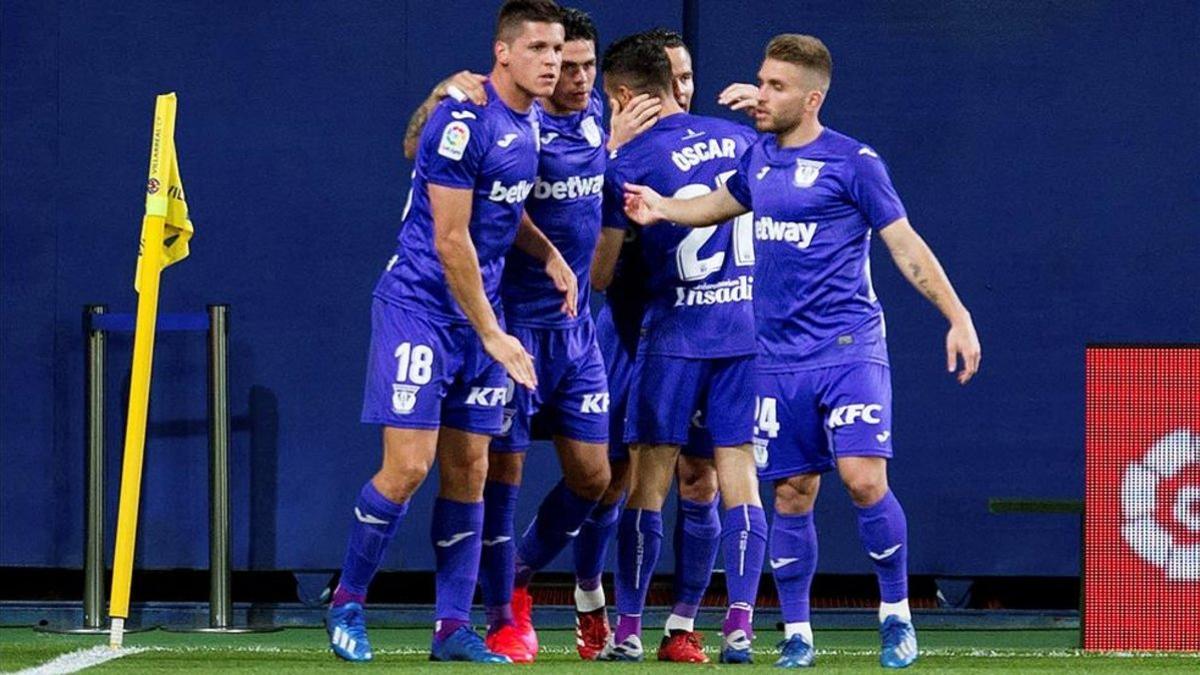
[(815, 98), (501, 51), (624, 94)]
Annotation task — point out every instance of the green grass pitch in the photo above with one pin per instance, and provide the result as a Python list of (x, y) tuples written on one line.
[(303, 650)]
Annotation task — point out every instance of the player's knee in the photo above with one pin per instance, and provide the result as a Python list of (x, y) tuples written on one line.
[(697, 480), (618, 483), (466, 473), (703, 489), (505, 468), (398, 481), (797, 495), (591, 482), (866, 488)]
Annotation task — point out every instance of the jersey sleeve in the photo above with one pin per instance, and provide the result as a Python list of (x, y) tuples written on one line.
[(453, 145), (613, 209), (872, 190), (739, 183)]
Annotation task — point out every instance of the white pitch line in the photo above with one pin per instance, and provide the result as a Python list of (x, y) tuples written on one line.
[(73, 662)]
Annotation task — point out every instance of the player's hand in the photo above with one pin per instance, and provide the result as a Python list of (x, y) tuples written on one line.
[(643, 205), (739, 96), (961, 341), (461, 86), (564, 280), (631, 120), (510, 353)]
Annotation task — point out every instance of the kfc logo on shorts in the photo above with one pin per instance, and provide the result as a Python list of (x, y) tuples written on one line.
[(487, 397), (849, 414), (404, 398)]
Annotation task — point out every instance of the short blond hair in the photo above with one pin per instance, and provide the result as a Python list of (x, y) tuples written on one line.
[(805, 51)]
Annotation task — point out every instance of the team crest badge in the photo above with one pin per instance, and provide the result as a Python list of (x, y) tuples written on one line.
[(506, 424), (404, 398), (807, 171), (760, 452), (590, 131)]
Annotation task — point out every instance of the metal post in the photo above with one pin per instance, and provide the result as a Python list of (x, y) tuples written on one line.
[(220, 605), (93, 554), (220, 602), (93, 519)]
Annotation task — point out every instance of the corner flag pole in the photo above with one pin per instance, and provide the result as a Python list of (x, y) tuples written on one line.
[(150, 266)]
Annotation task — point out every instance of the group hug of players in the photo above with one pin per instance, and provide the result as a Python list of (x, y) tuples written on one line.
[(740, 341)]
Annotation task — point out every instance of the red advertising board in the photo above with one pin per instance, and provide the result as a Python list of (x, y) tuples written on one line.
[(1142, 512)]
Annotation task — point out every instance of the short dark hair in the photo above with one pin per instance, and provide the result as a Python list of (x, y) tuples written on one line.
[(638, 62), (668, 39), (805, 51), (578, 25), (514, 13)]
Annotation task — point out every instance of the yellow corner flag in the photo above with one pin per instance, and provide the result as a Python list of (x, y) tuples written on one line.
[(165, 234), (164, 193)]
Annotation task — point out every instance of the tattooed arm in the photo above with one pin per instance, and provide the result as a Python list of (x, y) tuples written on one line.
[(468, 84), (922, 269)]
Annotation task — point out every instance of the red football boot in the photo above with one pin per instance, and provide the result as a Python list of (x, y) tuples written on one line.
[(507, 641), (591, 632), (682, 647), (522, 607)]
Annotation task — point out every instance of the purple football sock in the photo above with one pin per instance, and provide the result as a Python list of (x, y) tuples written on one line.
[(591, 546), (697, 538), (740, 616), (498, 616), (883, 530), (744, 543), (639, 540), (443, 628), (499, 549), (794, 562), (627, 625), (558, 521), (456, 545), (376, 520)]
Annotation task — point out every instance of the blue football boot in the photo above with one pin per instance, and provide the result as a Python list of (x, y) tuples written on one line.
[(347, 627), (796, 653), (736, 648), (464, 644), (899, 640)]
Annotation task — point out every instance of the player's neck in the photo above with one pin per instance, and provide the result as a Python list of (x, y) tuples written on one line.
[(802, 134), (506, 88), (670, 107), (553, 108)]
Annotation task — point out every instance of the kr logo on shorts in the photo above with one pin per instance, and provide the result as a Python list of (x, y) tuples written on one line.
[(487, 397), (849, 414), (594, 403)]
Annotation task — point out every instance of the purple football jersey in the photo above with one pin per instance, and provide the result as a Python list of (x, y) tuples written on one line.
[(815, 208), (699, 281), (565, 205), (491, 150)]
